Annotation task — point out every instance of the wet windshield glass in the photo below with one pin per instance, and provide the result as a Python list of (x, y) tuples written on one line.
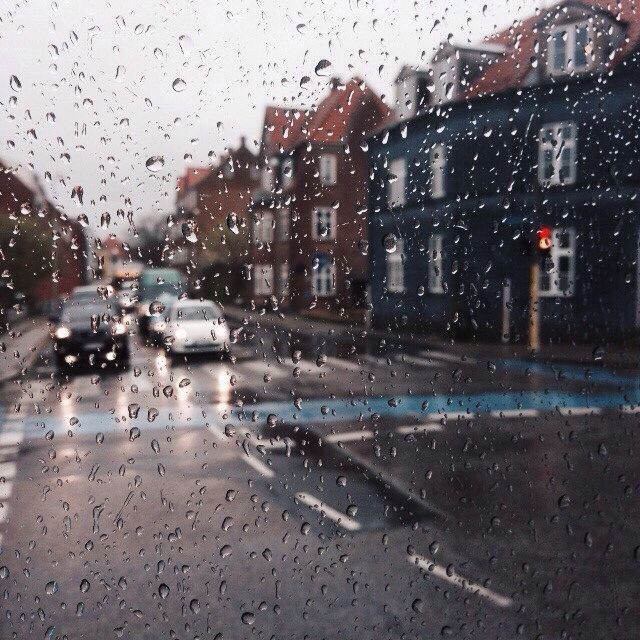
[(319, 319)]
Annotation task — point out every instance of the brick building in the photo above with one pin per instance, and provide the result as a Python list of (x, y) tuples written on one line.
[(213, 203), (309, 228), (63, 254)]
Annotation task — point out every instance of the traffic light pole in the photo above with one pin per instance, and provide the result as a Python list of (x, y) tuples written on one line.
[(533, 341)]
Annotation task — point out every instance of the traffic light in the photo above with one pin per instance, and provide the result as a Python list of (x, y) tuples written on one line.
[(544, 239)]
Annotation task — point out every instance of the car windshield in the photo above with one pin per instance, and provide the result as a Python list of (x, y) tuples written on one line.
[(320, 320)]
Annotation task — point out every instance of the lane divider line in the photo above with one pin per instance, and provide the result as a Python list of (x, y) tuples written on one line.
[(326, 511), (459, 581), (349, 436), (260, 467), (579, 411), (515, 413), (429, 427)]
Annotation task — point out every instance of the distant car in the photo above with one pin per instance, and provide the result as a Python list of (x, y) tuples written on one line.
[(127, 292), (89, 331), (197, 327), (152, 284), (158, 320)]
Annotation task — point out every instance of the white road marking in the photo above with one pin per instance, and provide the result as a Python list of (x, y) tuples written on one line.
[(631, 408), (515, 413), (429, 427), (344, 364), (317, 505), (277, 445), (8, 453), (217, 432), (349, 436), (420, 362), (262, 367), (5, 490), (579, 411), (459, 581), (11, 438), (4, 512), (7, 470), (447, 357), (260, 467)]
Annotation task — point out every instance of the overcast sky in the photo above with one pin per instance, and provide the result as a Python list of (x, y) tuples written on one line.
[(97, 80)]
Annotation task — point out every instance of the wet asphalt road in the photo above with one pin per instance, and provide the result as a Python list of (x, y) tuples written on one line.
[(319, 489)]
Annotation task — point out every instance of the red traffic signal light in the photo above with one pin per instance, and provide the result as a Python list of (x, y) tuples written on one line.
[(544, 238)]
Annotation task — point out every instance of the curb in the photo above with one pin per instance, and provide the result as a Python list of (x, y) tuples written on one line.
[(310, 438)]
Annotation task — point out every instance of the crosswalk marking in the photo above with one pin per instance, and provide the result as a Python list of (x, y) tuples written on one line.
[(5, 490), (7, 470), (325, 510), (11, 438), (420, 362), (447, 357), (260, 467)]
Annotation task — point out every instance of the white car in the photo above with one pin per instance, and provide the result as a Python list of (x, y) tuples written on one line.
[(197, 327)]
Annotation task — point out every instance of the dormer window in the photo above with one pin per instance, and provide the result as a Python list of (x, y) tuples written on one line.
[(445, 79), (569, 48)]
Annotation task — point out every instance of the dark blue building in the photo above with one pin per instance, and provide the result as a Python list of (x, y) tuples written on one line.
[(537, 126)]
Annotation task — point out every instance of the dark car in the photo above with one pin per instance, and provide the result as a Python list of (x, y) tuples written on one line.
[(90, 331)]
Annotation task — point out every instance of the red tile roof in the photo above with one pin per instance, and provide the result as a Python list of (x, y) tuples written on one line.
[(511, 70), (333, 120), (282, 129)]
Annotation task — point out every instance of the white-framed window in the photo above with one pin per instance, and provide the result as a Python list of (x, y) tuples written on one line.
[(228, 170), (323, 223), (397, 183), (283, 279), (287, 172), (438, 166), (570, 48), (559, 278), (283, 224), (328, 169), (269, 174), (557, 153), (395, 268), (323, 276), (435, 279), (263, 228), (262, 279)]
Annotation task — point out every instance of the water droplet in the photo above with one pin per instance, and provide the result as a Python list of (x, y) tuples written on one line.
[(163, 590), (323, 65), (352, 509), (14, 83), (232, 223), (194, 605), (85, 585), (390, 242), (341, 481), (186, 45), (564, 501), (179, 85), (248, 618), (155, 446), (155, 163), (226, 551), (51, 588), (134, 434), (417, 605), (133, 409)]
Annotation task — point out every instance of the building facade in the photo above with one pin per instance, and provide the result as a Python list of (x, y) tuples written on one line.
[(309, 218), (210, 232), (53, 259), (541, 129)]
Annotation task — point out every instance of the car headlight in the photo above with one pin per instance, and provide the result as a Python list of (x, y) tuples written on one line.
[(63, 332), (181, 334), (118, 329)]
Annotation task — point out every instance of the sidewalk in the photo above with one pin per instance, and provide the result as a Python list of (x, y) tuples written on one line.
[(19, 346), (616, 356)]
